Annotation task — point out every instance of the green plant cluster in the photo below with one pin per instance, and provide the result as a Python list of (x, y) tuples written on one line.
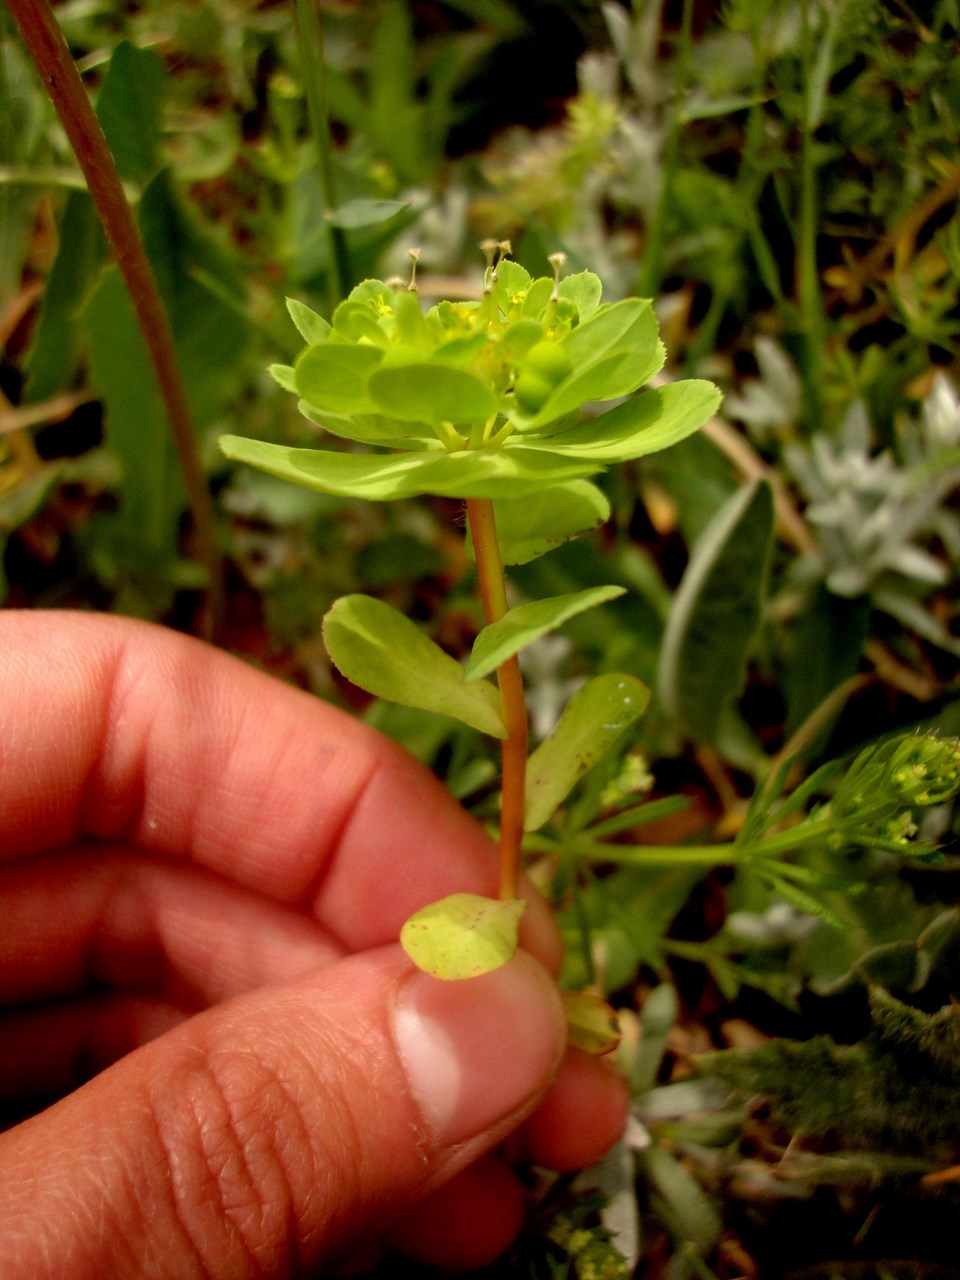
[(483, 399)]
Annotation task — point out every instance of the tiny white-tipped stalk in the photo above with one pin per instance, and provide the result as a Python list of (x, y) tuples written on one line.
[(558, 261)]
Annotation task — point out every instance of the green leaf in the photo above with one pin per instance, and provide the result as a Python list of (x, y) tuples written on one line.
[(584, 290), (463, 935), (355, 322), (311, 326), (283, 376), (366, 213), (59, 338), (689, 1211), (525, 623), (589, 728), (617, 374), (333, 376), (716, 611), (625, 326), (378, 478), (430, 392), (529, 527), (380, 650), (650, 422), (368, 428), (592, 1025), (129, 109), (210, 326), (152, 496)]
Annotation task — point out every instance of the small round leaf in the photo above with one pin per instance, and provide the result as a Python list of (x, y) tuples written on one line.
[(592, 1024), (463, 935)]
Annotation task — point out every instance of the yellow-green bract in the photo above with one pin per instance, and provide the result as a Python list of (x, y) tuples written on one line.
[(482, 399), (463, 935)]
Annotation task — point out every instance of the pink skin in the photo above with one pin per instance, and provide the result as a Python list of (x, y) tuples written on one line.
[(203, 875)]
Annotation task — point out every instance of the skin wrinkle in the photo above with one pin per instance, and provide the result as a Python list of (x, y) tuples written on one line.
[(309, 899), (134, 933), (95, 815), (227, 1095), (121, 674), (284, 1137), (169, 1116), (105, 931)]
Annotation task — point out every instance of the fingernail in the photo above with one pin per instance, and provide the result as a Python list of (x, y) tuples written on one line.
[(476, 1051)]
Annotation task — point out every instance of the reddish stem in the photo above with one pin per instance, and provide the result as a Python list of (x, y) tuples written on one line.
[(514, 773)]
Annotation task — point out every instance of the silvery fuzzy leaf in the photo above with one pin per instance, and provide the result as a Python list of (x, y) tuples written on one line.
[(941, 415), (855, 429), (848, 581), (914, 562), (774, 398)]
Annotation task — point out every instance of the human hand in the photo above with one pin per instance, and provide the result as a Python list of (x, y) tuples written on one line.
[(203, 875)]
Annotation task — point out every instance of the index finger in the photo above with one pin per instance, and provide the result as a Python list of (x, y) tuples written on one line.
[(119, 730)]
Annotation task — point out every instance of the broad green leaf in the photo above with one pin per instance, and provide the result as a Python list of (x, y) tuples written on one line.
[(366, 213), (355, 322), (283, 376), (333, 376), (623, 326), (463, 936), (409, 319), (429, 392), (370, 428), (537, 298), (617, 374), (525, 623), (382, 651), (58, 342), (311, 326), (590, 726), (129, 109), (652, 421), (584, 291), (512, 279), (210, 326), (716, 612), (481, 474), (529, 527), (135, 547), (592, 1025)]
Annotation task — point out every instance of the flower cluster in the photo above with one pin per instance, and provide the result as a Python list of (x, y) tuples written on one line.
[(483, 399), (874, 803)]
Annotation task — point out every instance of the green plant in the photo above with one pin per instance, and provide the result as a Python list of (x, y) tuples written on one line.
[(484, 401)]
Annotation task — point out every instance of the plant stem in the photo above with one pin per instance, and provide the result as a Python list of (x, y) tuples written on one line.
[(651, 274), (48, 49), (808, 278), (513, 780), (309, 33), (725, 854)]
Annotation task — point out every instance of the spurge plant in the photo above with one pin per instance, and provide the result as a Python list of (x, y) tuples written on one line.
[(493, 401)]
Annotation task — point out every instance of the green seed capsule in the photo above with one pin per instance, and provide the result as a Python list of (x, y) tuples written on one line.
[(531, 390), (549, 362)]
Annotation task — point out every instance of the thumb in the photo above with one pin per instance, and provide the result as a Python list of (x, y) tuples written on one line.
[(281, 1130)]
